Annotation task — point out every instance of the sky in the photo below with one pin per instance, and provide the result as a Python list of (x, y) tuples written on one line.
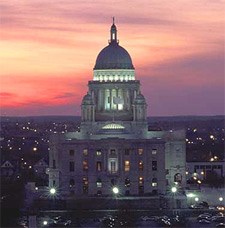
[(48, 50)]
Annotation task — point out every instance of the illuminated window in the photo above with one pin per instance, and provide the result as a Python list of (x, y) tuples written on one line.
[(99, 166), (71, 165), (113, 166), (154, 182), (140, 151), (154, 151), (72, 183), (71, 152), (99, 183), (141, 180), (85, 152), (85, 185), (85, 165), (127, 182), (154, 165), (126, 166), (98, 152), (141, 166)]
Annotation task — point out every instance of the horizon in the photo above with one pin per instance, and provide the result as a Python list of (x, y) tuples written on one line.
[(80, 116), (49, 51)]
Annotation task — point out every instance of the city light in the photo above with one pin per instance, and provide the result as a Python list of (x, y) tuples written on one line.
[(45, 223), (202, 173), (196, 199), (191, 195), (115, 190), (52, 191), (211, 137), (174, 189), (220, 199), (35, 149)]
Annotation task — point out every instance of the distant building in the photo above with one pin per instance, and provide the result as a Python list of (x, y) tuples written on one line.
[(203, 170), (8, 169), (114, 147), (40, 167)]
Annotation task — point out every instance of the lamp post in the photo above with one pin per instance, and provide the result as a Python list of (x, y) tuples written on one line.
[(174, 205), (53, 192)]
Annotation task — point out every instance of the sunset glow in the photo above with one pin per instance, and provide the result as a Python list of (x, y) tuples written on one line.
[(49, 48)]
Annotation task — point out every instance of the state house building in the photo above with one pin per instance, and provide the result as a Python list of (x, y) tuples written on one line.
[(114, 147)]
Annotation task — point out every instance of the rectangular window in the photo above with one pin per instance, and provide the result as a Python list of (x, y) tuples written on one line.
[(71, 152), (85, 152), (141, 181), (53, 164), (113, 166), (85, 185), (99, 166), (154, 182), (127, 182), (99, 183), (71, 166), (85, 165), (53, 183), (109, 100), (141, 166), (98, 152), (140, 151), (126, 166), (154, 165), (154, 151), (112, 152), (127, 151)]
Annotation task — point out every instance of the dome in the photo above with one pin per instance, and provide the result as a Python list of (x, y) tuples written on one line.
[(113, 57)]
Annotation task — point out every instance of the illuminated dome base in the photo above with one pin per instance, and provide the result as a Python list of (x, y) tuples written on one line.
[(114, 75)]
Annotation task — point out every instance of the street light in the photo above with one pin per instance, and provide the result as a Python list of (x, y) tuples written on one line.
[(174, 189), (220, 199), (45, 223), (115, 190), (52, 191), (196, 199)]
